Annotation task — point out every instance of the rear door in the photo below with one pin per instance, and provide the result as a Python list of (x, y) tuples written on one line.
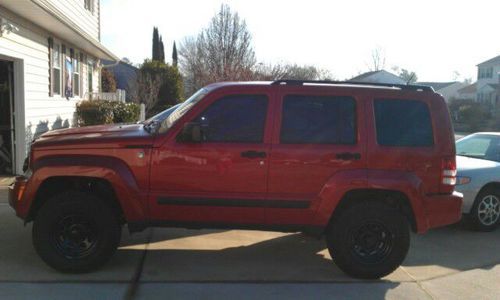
[(406, 136), (318, 133)]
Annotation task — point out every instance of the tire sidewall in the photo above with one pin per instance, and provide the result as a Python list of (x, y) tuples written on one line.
[(340, 245), (90, 207)]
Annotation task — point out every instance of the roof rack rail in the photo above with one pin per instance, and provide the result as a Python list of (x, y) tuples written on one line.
[(410, 87)]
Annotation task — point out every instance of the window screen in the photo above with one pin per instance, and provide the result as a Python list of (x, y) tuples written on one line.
[(403, 123), (239, 118), (318, 120)]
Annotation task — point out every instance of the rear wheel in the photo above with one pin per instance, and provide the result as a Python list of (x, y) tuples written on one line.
[(485, 213), (368, 240), (76, 232)]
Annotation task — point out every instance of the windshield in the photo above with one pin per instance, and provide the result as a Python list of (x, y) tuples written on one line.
[(181, 110), (162, 115), (480, 146)]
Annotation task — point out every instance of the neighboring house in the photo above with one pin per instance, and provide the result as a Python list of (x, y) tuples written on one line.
[(125, 75), (468, 92), (488, 82), (381, 76), (50, 53), (449, 90)]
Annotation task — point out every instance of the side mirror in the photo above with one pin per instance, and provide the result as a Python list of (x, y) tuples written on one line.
[(191, 133)]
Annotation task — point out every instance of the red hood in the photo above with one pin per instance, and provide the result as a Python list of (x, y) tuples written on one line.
[(102, 136)]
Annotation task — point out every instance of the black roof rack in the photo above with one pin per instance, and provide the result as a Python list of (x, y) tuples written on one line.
[(410, 87)]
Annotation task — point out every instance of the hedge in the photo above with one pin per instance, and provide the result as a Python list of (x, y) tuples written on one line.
[(98, 112)]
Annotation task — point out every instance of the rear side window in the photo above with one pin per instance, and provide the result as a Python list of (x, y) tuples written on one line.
[(404, 123), (238, 118), (318, 120)]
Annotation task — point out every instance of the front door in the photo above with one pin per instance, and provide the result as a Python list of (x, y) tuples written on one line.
[(222, 179), (6, 118)]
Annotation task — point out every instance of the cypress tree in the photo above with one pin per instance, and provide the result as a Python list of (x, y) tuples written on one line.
[(156, 46), (174, 56), (161, 50)]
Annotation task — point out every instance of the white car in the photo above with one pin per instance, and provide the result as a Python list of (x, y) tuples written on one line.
[(478, 178)]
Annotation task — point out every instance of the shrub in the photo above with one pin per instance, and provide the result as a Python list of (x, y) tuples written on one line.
[(98, 112), (159, 85), (125, 112)]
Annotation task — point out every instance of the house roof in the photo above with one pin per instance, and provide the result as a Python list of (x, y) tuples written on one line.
[(44, 15), (492, 60), (380, 76), (437, 85), (470, 89), (365, 75), (123, 72)]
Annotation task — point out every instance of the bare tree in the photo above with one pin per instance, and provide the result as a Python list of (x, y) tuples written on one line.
[(148, 86), (221, 52), (377, 60), (290, 71)]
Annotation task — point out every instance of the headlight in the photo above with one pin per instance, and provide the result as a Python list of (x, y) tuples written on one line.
[(461, 180)]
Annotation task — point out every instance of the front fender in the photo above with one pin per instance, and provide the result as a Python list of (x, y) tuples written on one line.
[(343, 182), (112, 169)]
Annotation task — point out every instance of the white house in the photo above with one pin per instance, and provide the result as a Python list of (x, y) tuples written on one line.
[(50, 54), (381, 76), (468, 92), (488, 81), (449, 90)]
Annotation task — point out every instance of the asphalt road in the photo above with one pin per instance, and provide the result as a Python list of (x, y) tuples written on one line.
[(447, 263)]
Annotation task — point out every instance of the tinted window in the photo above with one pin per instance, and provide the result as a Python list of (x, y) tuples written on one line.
[(318, 120), (235, 119), (403, 123)]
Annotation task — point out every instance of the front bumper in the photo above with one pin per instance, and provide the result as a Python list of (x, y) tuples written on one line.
[(443, 210), (470, 192)]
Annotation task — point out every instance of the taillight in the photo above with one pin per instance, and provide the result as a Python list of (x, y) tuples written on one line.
[(448, 174)]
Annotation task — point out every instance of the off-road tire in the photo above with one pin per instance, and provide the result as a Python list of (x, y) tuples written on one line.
[(368, 227), (475, 218), (53, 223)]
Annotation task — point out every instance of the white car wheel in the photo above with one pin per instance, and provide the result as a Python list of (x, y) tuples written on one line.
[(486, 210)]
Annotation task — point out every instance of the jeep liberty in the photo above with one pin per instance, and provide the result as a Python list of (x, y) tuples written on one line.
[(360, 164)]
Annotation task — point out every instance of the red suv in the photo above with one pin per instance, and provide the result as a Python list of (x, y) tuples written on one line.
[(361, 164)]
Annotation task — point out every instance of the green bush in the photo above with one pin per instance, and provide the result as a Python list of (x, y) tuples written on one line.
[(98, 112), (125, 112)]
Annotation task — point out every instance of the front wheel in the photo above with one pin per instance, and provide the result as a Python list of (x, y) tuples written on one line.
[(368, 240), (485, 213), (76, 232)]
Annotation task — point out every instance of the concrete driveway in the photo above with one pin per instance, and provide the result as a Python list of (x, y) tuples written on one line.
[(448, 263)]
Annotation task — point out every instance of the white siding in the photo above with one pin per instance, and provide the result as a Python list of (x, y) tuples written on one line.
[(29, 46), (451, 91), (75, 10)]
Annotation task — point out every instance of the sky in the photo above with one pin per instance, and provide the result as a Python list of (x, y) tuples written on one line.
[(434, 38)]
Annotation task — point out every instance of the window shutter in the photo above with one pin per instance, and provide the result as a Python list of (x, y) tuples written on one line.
[(81, 74), (63, 71), (71, 57), (51, 63)]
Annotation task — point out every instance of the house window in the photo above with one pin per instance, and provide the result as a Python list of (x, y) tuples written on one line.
[(76, 76), (89, 5), (56, 69)]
